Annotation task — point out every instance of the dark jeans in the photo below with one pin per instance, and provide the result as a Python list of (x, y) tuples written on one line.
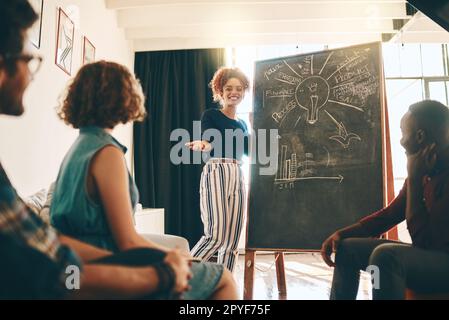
[(26, 273), (400, 266)]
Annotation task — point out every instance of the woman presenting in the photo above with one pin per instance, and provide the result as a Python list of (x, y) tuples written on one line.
[(222, 189)]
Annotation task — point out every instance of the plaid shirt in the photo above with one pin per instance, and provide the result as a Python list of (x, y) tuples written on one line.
[(21, 223)]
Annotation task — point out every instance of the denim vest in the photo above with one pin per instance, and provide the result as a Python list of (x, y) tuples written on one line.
[(72, 211)]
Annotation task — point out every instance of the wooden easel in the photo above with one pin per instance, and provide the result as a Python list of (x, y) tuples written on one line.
[(250, 254)]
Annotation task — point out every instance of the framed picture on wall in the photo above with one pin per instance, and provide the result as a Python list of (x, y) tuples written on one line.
[(64, 42), (88, 51), (36, 30)]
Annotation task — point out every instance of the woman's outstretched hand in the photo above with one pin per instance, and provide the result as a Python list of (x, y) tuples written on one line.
[(199, 145)]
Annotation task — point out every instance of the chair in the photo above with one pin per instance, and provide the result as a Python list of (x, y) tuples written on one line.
[(413, 295), (167, 240)]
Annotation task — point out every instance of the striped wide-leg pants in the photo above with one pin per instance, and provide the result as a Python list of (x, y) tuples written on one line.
[(222, 196)]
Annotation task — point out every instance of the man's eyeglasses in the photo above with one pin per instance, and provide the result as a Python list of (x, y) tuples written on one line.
[(34, 62)]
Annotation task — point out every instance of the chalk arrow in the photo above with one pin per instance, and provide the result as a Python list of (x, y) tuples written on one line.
[(339, 178)]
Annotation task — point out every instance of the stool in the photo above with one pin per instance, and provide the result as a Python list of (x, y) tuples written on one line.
[(413, 295)]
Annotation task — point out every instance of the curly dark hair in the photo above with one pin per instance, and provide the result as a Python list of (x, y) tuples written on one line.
[(16, 16), (222, 76), (103, 94)]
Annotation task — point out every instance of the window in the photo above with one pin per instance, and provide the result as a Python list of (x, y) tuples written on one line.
[(432, 60)]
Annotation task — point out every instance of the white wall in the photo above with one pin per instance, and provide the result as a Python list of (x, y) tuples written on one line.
[(33, 146)]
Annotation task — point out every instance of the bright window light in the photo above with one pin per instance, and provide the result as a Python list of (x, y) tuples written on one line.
[(413, 72)]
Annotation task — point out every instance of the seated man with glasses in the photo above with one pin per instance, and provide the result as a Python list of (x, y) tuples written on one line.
[(38, 262)]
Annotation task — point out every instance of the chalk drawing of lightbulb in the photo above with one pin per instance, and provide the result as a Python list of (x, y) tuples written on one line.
[(312, 95)]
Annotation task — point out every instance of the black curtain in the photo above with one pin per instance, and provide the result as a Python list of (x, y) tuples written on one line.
[(176, 86)]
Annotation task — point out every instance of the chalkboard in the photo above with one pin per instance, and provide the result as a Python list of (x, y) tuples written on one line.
[(328, 110)]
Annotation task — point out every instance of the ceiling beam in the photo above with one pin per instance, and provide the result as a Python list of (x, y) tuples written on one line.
[(421, 29), (421, 37), (254, 28), (210, 13), (421, 22)]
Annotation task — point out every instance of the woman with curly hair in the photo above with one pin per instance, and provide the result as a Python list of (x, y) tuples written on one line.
[(222, 190), (95, 195)]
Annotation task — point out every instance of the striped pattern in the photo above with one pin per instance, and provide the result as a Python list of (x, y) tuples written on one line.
[(22, 224), (222, 194)]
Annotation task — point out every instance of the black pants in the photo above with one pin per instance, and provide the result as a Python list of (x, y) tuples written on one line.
[(139, 257), (26, 273), (399, 266)]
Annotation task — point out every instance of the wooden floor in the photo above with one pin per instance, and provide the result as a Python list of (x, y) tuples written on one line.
[(307, 278)]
